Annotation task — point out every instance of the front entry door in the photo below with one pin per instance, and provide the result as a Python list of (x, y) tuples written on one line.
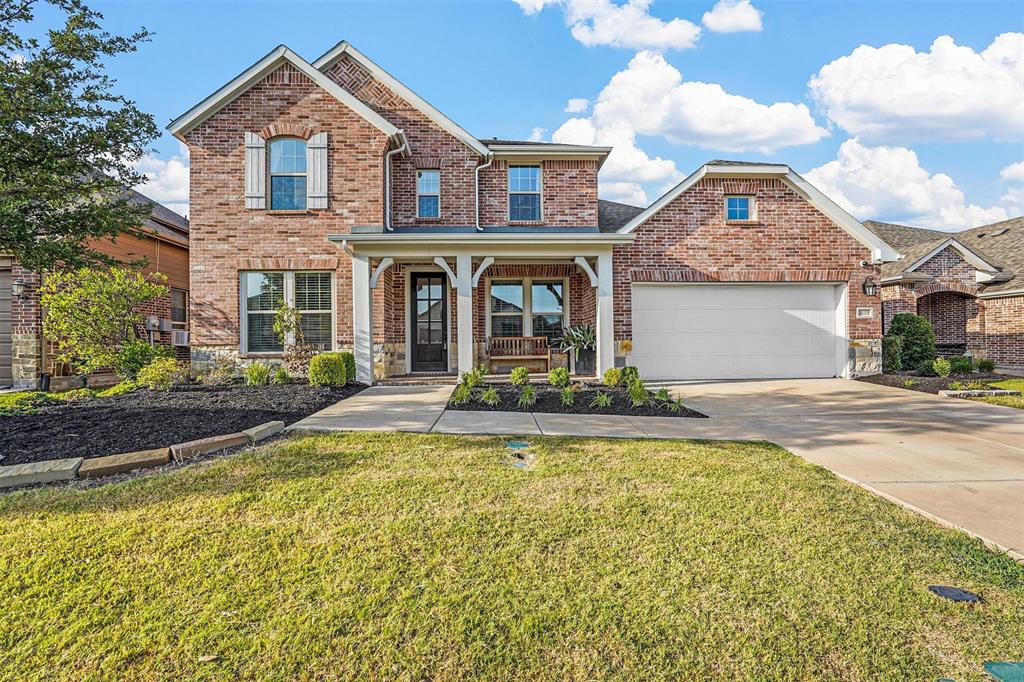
[(428, 324)]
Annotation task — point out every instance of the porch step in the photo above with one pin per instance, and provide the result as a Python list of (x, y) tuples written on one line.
[(419, 380)]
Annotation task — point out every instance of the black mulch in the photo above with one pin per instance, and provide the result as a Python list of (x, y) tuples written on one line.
[(928, 384), (150, 419), (549, 401)]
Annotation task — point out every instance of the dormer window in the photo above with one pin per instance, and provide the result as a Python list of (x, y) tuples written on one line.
[(288, 174), (739, 208), (524, 193), (428, 194)]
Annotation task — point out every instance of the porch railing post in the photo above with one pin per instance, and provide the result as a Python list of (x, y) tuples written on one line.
[(605, 314), (464, 291), (362, 319)]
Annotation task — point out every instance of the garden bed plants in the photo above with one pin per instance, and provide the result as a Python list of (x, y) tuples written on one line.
[(619, 393), (925, 384), (88, 427)]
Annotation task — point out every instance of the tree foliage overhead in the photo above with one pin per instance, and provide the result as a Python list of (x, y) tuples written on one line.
[(68, 143)]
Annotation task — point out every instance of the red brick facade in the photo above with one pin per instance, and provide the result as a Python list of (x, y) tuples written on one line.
[(689, 240)]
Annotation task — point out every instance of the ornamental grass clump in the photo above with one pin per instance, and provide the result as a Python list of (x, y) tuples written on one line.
[(986, 365), (257, 374), (601, 400), (638, 394), (527, 397), (559, 377), (568, 396), (461, 395), (490, 397), (281, 376), (520, 376), (473, 378)]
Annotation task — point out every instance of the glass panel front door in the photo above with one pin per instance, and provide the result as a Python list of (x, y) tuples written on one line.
[(428, 323)]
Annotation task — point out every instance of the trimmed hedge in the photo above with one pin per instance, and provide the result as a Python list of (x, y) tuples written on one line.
[(892, 353), (918, 338), (328, 369), (350, 366)]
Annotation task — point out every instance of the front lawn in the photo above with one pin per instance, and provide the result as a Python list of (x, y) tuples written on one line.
[(410, 557), (1007, 400)]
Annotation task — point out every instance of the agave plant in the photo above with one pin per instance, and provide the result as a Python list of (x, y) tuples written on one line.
[(576, 338)]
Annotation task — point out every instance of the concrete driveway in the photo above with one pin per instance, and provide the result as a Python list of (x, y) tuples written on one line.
[(959, 461)]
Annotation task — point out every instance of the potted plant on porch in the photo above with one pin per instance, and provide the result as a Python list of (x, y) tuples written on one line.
[(581, 343)]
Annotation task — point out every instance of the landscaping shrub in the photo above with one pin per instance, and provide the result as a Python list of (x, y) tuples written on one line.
[(637, 393), (918, 338), (281, 376), (559, 377), (960, 364), (520, 376), (601, 400), (460, 396), (76, 395), (25, 402), (925, 369), (257, 374), (909, 383), (986, 365), (673, 405), (568, 396), (941, 367), (956, 385), (327, 369), (474, 377), (662, 394), (976, 385), (350, 366), (629, 375), (892, 353), (527, 397), (161, 374), (118, 389), (490, 397), (612, 376), (135, 355)]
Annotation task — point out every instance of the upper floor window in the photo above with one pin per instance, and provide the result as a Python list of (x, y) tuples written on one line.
[(428, 194), (288, 174), (523, 193), (738, 208)]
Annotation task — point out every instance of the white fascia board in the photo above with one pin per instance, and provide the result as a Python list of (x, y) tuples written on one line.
[(329, 58), (664, 200), (511, 152), (974, 259), (1002, 294), (180, 126), (519, 238)]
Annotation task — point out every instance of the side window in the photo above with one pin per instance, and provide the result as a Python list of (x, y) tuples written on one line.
[(288, 174), (179, 308), (524, 193), (738, 208), (428, 194)]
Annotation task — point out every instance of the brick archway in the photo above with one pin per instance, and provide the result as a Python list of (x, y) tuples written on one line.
[(939, 287), (952, 310)]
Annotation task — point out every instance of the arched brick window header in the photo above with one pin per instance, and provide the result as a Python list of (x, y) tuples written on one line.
[(937, 287), (286, 130)]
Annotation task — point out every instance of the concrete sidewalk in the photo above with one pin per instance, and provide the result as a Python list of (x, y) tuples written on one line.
[(382, 408)]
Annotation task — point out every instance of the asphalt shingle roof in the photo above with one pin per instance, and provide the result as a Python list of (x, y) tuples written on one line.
[(611, 215)]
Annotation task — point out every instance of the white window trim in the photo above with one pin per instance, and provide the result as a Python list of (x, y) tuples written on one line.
[(539, 192), (527, 301), (438, 195), (271, 174), (289, 297), (751, 212)]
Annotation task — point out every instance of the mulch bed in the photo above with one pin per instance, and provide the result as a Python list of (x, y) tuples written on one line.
[(928, 384), (549, 401), (151, 419)]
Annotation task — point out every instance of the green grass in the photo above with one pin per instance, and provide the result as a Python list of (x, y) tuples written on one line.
[(1007, 400), (405, 557)]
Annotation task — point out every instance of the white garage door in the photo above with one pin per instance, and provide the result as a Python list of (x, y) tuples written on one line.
[(735, 332)]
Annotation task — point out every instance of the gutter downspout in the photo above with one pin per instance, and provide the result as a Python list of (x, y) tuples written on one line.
[(490, 160), (387, 180)]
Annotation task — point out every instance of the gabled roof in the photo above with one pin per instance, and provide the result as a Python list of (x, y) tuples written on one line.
[(997, 248), (880, 250), (331, 57), (612, 215), (280, 55)]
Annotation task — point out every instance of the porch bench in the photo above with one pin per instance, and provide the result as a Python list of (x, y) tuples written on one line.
[(511, 348)]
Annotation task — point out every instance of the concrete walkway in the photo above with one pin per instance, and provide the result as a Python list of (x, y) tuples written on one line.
[(957, 461)]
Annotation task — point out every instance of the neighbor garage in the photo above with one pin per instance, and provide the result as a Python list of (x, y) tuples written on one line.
[(742, 331)]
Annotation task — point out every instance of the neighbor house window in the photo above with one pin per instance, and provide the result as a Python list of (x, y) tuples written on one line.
[(738, 208), (523, 193), (288, 174), (311, 293), (527, 307), (179, 308), (428, 194)]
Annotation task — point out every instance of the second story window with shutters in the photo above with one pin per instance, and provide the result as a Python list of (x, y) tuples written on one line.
[(524, 193), (288, 174), (428, 194)]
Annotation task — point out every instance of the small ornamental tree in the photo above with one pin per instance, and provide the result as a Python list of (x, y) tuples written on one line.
[(297, 353), (91, 313)]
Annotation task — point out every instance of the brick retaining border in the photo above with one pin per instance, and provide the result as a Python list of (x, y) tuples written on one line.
[(978, 393), (51, 470)]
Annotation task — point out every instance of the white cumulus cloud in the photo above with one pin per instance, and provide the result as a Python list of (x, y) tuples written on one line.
[(1013, 175), (577, 105), (888, 183), (537, 134), (895, 94), (732, 16), (650, 97), (166, 180), (630, 25)]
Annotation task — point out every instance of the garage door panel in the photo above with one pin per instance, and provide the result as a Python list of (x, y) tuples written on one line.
[(734, 332)]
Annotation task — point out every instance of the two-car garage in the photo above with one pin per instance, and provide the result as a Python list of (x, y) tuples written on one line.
[(739, 331)]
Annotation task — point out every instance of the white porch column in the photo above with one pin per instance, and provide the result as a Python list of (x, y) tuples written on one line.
[(464, 290), (605, 314), (362, 318)]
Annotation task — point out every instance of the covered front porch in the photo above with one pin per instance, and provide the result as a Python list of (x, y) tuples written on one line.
[(440, 301)]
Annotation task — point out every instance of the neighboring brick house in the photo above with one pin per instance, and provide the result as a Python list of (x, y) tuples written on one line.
[(25, 355), (333, 187), (968, 284)]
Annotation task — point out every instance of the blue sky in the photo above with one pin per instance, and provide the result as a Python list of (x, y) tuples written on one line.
[(906, 133)]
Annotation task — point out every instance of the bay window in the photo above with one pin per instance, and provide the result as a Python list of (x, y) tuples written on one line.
[(527, 307), (311, 293)]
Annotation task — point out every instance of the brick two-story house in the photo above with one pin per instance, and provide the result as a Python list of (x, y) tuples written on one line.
[(332, 186)]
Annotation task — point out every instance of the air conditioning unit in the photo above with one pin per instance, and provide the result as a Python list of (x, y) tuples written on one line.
[(179, 337), (166, 325)]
